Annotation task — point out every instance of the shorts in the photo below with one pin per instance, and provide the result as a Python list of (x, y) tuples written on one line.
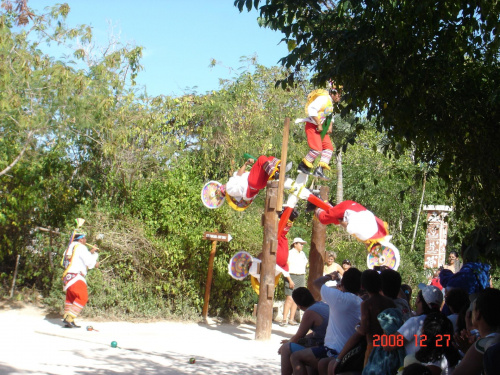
[(298, 280), (295, 347), (324, 352)]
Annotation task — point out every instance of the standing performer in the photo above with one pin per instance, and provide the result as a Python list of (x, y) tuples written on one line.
[(319, 106), (80, 260), (243, 186)]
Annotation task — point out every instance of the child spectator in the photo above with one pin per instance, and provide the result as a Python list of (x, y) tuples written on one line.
[(437, 351)]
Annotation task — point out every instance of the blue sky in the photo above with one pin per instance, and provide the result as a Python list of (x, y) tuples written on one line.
[(180, 37)]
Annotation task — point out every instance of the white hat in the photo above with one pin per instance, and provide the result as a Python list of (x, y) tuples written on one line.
[(298, 240), (431, 294)]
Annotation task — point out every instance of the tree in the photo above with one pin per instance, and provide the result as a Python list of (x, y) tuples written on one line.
[(426, 72)]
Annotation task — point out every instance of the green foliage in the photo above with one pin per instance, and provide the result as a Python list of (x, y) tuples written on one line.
[(426, 72), (84, 143)]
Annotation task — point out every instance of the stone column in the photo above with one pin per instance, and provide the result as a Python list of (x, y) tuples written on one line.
[(436, 236)]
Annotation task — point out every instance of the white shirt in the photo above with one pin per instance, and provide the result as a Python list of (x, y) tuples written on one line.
[(297, 262), (254, 268), (361, 224), (314, 110), (237, 186), (409, 329), (83, 260), (345, 314)]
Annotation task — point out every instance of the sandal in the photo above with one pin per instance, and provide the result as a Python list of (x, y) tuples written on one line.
[(292, 322)]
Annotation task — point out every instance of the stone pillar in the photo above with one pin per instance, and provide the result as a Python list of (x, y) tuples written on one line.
[(436, 236)]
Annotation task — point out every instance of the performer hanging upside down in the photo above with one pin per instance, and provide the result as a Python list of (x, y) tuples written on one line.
[(243, 186), (358, 221)]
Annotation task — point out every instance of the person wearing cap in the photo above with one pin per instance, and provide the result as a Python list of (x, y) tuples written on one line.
[(429, 299), (319, 106), (297, 262), (80, 260), (243, 186), (346, 264)]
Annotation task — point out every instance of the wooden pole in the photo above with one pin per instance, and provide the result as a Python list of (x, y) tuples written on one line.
[(209, 278), (14, 278), (268, 265), (317, 250), (284, 151)]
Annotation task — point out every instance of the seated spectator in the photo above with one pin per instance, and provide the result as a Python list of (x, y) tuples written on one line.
[(437, 351), (345, 313), (381, 362), (486, 318), (456, 299), (435, 280), (346, 264), (315, 318), (391, 287), (491, 361), (467, 335), (429, 299), (330, 265), (371, 281)]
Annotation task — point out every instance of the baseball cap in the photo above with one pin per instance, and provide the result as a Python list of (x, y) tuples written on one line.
[(298, 240), (431, 294)]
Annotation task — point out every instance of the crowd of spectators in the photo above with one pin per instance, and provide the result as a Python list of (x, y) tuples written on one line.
[(367, 325)]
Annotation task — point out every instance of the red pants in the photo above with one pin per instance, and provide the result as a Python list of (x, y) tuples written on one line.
[(314, 139), (258, 177), (76, 298)]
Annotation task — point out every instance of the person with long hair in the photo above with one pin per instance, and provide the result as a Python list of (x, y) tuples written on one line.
[(437, 351)]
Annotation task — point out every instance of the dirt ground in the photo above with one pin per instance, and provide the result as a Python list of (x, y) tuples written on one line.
[(34, 342)]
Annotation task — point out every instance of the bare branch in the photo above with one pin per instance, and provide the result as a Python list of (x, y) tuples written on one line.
[(9, 167)]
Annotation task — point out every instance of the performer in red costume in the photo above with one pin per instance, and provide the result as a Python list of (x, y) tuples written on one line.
[(357, 220), (283, 248), (243, 186)]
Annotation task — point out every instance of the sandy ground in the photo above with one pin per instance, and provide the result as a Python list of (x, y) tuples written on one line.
[(32, 342)]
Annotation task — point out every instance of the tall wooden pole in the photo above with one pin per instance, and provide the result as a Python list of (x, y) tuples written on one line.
[(284, 151), (268, 266), (209, 278), (317, 250)]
